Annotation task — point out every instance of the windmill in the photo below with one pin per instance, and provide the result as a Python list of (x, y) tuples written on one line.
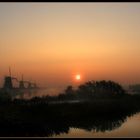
[(21, 83), (8, 81)]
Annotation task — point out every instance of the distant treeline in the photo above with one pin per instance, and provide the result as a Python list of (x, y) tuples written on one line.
[(88, 91), (94, 89), (135, 88)]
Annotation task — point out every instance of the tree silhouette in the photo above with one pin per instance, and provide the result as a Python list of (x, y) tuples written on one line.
[(69, 90), (100, 88)]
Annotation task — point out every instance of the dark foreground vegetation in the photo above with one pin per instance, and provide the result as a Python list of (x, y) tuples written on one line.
[(106, 110)]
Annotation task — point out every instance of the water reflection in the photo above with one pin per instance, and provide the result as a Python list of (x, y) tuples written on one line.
[(129, 129), (51, 125)]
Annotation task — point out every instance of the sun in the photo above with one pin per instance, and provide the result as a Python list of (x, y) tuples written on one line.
[(78, 77)]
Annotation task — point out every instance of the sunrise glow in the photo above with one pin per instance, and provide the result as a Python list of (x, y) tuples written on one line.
[(49, 42), (78, 77), (73, 64)]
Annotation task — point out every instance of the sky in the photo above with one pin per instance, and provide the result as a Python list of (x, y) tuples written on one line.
[(50, 43)]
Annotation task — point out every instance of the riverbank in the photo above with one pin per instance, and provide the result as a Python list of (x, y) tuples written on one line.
[(41, 117)]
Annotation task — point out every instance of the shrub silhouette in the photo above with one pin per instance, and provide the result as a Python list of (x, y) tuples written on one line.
[(100, 89), (69, 90)]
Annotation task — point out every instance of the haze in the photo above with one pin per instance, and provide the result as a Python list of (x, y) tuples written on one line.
[(52, 42)]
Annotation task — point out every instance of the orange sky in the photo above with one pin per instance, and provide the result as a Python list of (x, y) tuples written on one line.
[(51, 42)]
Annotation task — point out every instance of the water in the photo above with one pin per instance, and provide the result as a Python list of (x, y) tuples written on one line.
[(117, 126), (130, 128)]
